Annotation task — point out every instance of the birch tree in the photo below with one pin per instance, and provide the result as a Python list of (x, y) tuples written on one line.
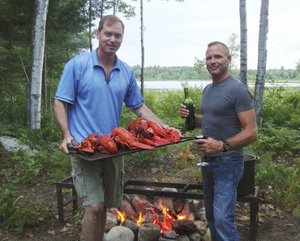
[(142, 47), (262, 60), (38, 46), (116, 6), (243, 42)]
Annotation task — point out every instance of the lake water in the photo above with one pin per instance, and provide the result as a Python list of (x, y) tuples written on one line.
[(177, 85)]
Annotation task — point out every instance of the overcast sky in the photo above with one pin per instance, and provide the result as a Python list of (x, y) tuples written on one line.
[(176, 33)]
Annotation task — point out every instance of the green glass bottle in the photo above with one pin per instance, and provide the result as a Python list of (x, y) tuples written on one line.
[(190, 123)]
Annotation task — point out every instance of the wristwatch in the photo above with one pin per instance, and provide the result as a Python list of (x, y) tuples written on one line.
[(226, 146)]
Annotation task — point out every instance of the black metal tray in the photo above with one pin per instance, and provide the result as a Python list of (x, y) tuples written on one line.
[(97, 156)]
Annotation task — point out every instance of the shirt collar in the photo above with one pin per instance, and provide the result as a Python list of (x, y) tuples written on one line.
[(96, 62)]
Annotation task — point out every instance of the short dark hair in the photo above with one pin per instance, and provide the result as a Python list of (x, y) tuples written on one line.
[(111, 19), (219, 43)]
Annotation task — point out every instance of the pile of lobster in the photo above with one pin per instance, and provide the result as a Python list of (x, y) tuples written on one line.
[(139, 134)]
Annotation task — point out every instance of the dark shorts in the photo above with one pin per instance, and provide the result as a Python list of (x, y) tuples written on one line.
[(99, 181)]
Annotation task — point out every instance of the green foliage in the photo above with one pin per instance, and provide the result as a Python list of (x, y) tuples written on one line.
[(198, 71), (277, 145), (165, 104), (20, 211), (169, 73), (276, 178), (281, 118)]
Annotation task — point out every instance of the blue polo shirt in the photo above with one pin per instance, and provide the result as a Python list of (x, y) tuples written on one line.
[(95, 103)]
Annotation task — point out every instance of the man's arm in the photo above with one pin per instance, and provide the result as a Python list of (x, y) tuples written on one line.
[(144, 112), (60, 112), (249, 130), (243, 138)]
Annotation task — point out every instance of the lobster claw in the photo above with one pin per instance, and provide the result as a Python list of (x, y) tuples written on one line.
[(157, 129), (127, 139)]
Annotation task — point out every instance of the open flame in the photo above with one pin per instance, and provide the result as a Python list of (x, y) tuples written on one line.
[(161, 217), (121, 216)]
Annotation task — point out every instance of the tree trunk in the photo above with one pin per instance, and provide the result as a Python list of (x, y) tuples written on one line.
[(116, 6), (142, 49), (90, 26), (102, 9), (45, 85), (38, 44), (262, 60), (243, 42)]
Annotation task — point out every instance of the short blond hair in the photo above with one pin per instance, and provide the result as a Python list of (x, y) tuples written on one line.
[(111, 19)]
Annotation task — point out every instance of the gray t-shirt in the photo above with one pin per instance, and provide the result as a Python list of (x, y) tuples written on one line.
[(219, 107)]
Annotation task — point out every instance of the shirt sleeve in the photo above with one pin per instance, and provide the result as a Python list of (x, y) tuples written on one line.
[(244, 99)]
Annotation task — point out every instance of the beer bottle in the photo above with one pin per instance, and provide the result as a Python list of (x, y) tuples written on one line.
[(190, 119)]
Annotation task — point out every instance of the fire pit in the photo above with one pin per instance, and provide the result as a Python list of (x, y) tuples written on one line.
[(247, 193)]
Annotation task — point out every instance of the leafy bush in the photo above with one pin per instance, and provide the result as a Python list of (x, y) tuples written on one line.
[(276, 178)]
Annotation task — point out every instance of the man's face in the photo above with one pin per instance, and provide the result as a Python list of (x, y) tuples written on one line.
[(110, 37), (217, 60)]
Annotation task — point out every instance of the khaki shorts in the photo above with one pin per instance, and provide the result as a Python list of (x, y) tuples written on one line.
[(99, 181)]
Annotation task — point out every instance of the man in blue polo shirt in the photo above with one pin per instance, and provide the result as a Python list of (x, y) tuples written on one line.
[(89, 99)]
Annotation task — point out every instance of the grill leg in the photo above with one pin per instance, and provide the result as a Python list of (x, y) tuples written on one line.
[(74, 195), (253, 218), (60, 204)]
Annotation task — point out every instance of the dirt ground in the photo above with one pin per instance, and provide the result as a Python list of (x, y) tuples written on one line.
[(274, 224)]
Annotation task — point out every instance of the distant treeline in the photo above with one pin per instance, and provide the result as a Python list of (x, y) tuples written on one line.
[(191, 73)]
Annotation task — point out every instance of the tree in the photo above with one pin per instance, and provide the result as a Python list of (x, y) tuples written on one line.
[(262, 60), (116, 6), (243, 42), (142, 47), (298, 69), (200, 68), (233, 48), (39, 31)]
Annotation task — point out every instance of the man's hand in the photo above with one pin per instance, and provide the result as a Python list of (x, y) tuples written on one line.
[(67, 142), (183, 111), (210, 145)]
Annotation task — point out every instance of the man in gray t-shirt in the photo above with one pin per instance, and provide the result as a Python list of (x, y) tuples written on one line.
[(221, 102), (228, 121)]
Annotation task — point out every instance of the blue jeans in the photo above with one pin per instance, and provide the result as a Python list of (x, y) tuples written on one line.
[(220, 181)]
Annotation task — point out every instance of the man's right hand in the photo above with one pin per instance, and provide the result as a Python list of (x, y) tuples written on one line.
[(67, 142), (183, 111)]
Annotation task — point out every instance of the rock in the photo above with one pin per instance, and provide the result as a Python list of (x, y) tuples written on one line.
[(183, 238), (120, 233), (201, 227), (184, 227), (195, 237), (165, 239), (111, 221), (132, 226), (148, 232), (206, 236), (200, 214), (169, 235), (12, 144)]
